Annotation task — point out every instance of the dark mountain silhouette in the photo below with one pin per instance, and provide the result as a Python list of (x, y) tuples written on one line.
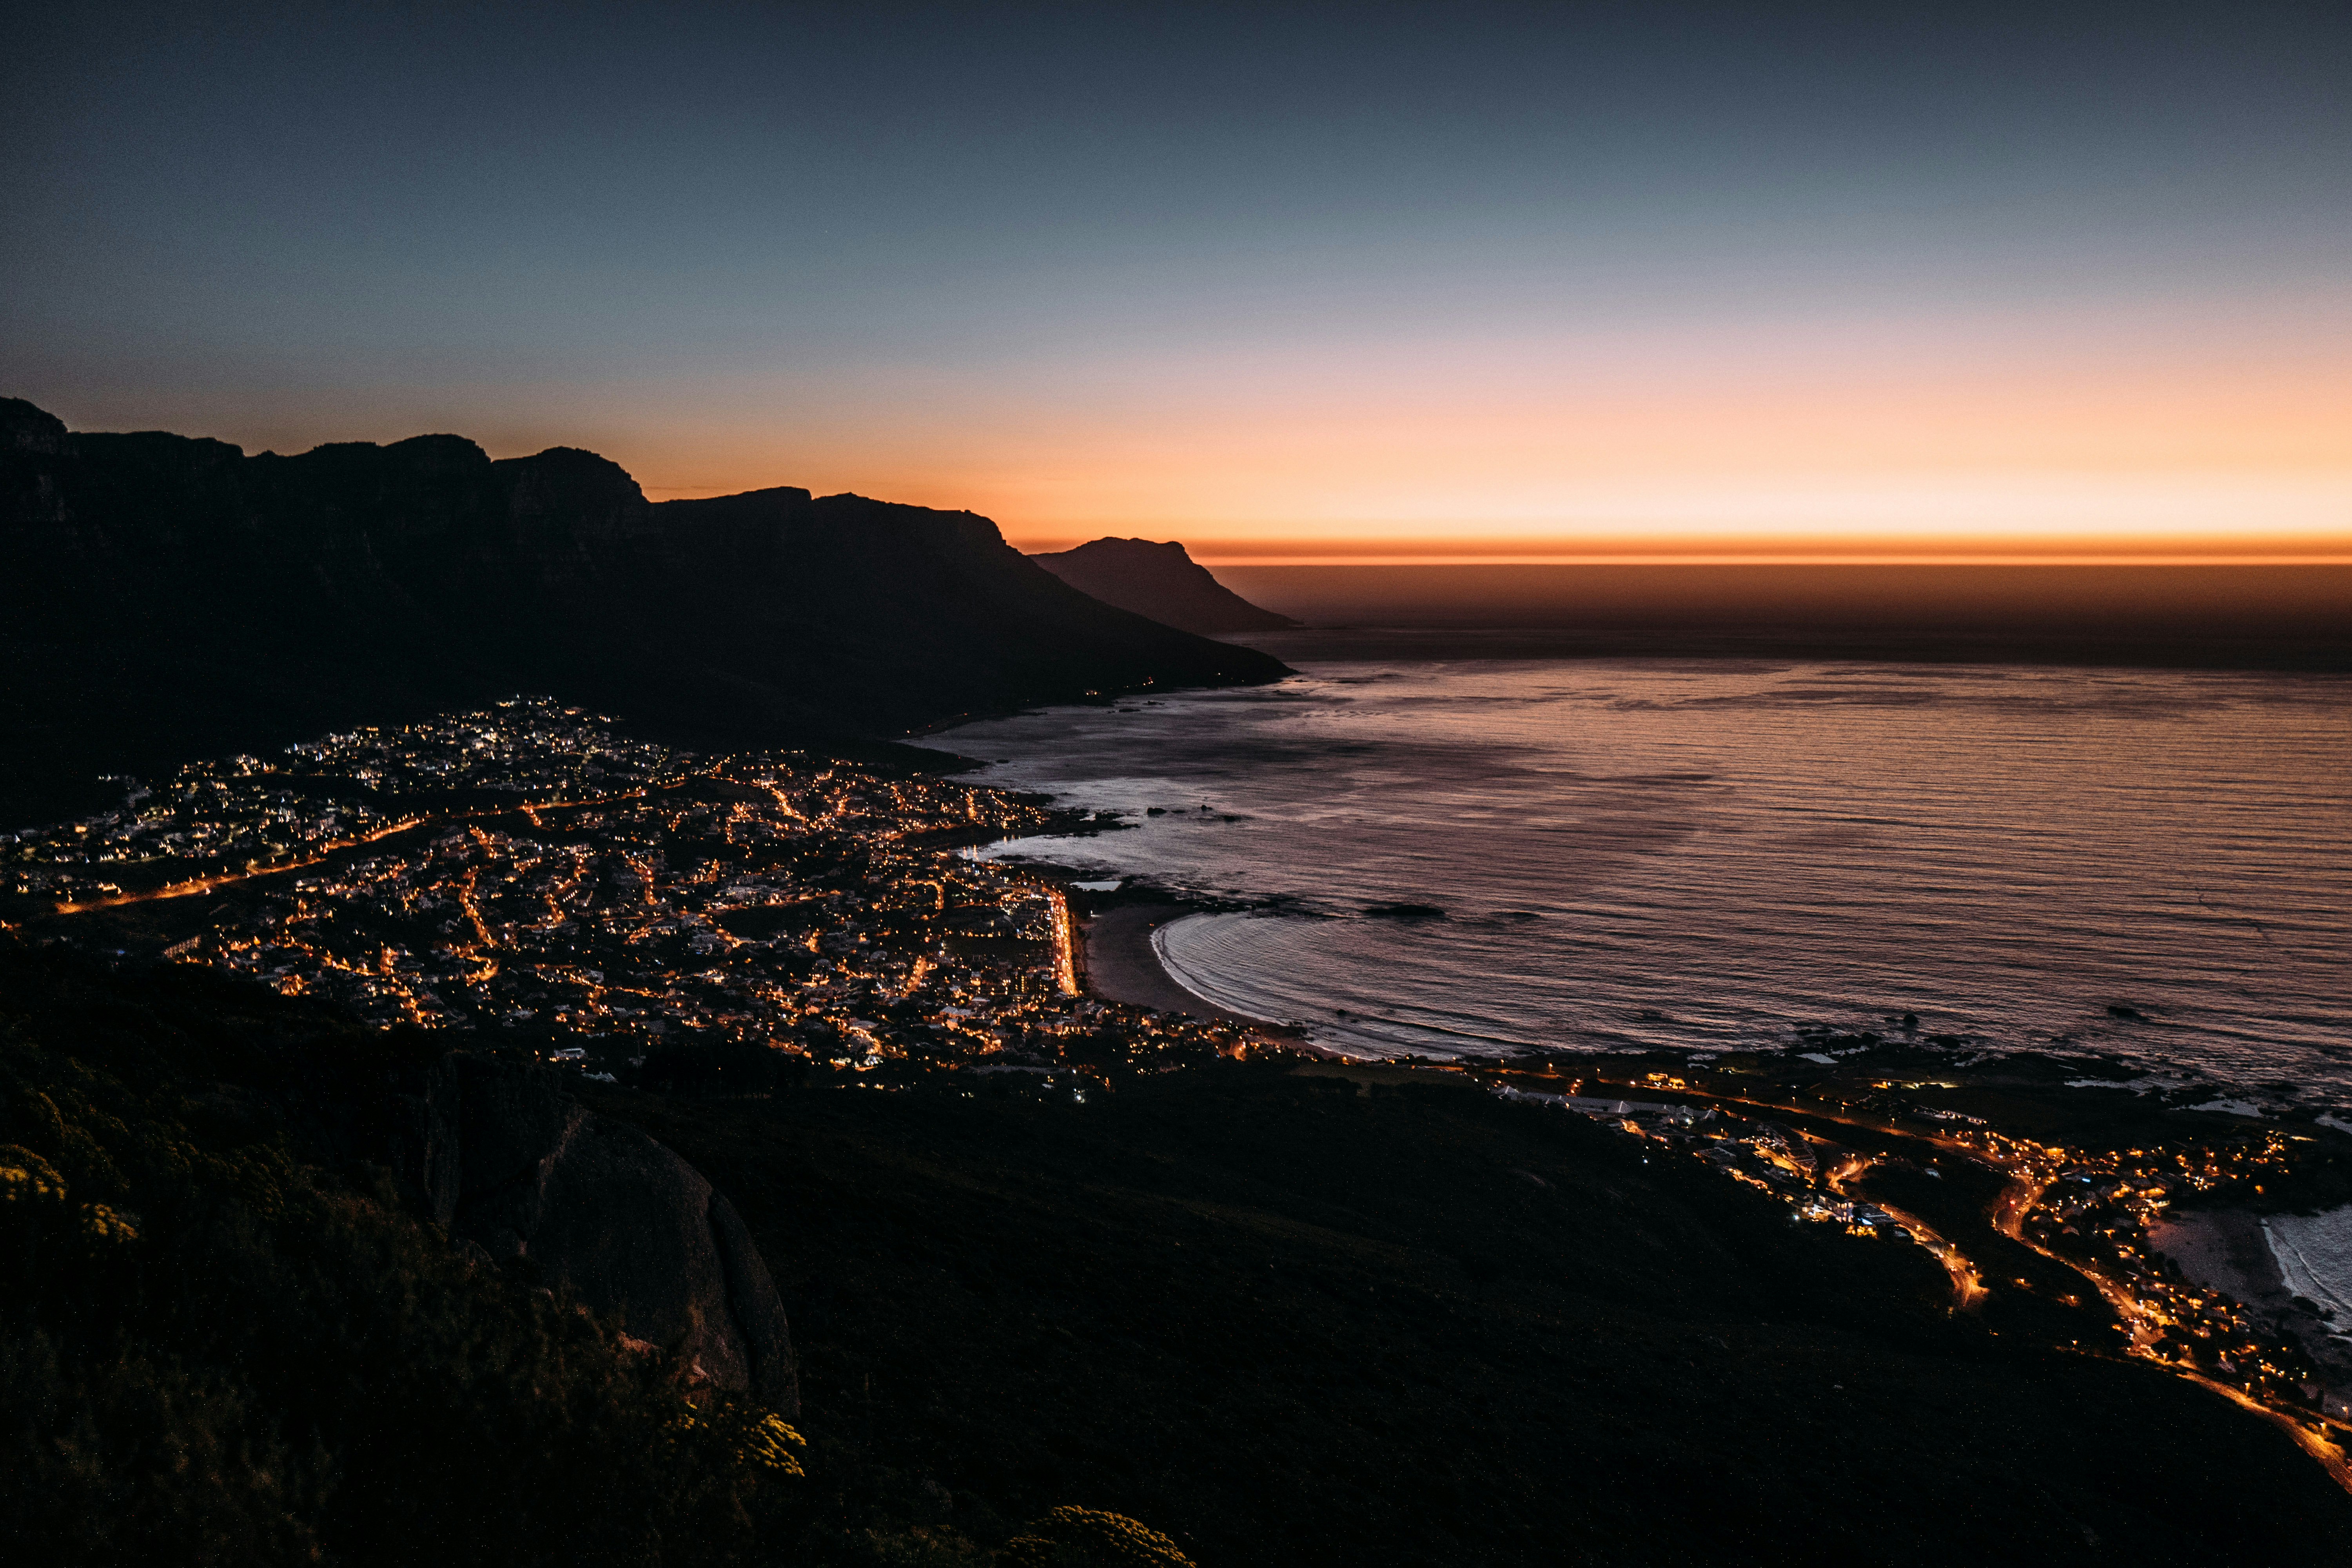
[(1159, 581), (164, 597)]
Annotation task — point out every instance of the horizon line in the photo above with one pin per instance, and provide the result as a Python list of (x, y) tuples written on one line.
[(1784, 558)]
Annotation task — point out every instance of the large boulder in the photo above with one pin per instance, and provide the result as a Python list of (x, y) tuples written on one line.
[(512, 1163)]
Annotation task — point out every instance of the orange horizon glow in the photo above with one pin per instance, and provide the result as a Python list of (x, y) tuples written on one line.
[(2204, 430), (1212, 556), (1828, 447), (1884, 286)]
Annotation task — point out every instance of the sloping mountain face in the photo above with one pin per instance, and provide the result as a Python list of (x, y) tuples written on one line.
[(164, 597), (1161, 581)]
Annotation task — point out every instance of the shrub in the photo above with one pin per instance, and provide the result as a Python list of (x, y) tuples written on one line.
[(1086, 1538)]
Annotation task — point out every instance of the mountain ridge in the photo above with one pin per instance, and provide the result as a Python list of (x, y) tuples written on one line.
[(171, 596)]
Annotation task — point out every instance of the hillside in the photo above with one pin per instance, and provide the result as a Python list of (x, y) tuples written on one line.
[(1161, 581), (225, 1337), (1284, 1323), (236, 1327), (164, 597), (1291, 1324)]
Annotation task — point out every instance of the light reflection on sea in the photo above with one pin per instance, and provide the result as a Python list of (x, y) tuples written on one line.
[(1647, 852)]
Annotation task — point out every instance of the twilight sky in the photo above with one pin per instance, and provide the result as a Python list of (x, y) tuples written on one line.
[(1281, 281)]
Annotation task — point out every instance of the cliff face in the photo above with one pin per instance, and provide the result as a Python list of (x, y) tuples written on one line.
[(162, 597), (1161, 581)]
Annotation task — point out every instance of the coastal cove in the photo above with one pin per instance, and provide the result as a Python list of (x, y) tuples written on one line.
[(1123, 963), (1476, 857)]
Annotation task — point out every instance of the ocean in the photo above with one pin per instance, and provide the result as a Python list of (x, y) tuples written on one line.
[(1456, 846)]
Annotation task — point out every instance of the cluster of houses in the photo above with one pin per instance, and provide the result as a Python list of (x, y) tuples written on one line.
[(607, 903)]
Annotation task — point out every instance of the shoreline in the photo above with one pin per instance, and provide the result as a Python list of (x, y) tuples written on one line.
[(2226, 1250), (2231, 1250), (1118, 963)]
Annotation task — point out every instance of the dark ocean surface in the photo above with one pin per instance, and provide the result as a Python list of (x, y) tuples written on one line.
[(1645, 852)]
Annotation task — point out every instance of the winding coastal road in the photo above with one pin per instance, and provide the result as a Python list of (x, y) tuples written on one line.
[(2008, 1215), (2009, 1218), (1968, 1282), (320, 853)]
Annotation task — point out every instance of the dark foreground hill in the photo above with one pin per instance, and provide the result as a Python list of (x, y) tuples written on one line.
[(1161, 581), (164, 597), (228, 1335), (1287, 1323), (1291, 1325), (235, 1329)]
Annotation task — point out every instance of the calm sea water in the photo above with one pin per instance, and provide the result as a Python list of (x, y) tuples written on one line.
[(1705, 854)]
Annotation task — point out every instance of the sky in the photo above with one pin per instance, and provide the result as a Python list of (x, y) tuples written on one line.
[(1285, 283)]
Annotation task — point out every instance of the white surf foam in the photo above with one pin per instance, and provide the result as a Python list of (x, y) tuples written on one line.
[(2314, 1253)]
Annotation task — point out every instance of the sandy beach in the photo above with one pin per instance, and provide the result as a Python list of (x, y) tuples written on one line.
[(2231, 1250), (1120, 966), (2226, 1250)]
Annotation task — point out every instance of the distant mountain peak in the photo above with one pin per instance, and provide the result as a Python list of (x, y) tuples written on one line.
[(26, 428), (1161, 579)]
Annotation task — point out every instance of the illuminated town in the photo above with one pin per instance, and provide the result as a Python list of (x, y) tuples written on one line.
[(636, 912)]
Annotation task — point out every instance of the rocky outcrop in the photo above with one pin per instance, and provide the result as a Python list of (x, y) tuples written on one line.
[(1161, 581), (511, 1164)]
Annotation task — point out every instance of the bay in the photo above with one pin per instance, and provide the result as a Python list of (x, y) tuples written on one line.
[(1424, 850)]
